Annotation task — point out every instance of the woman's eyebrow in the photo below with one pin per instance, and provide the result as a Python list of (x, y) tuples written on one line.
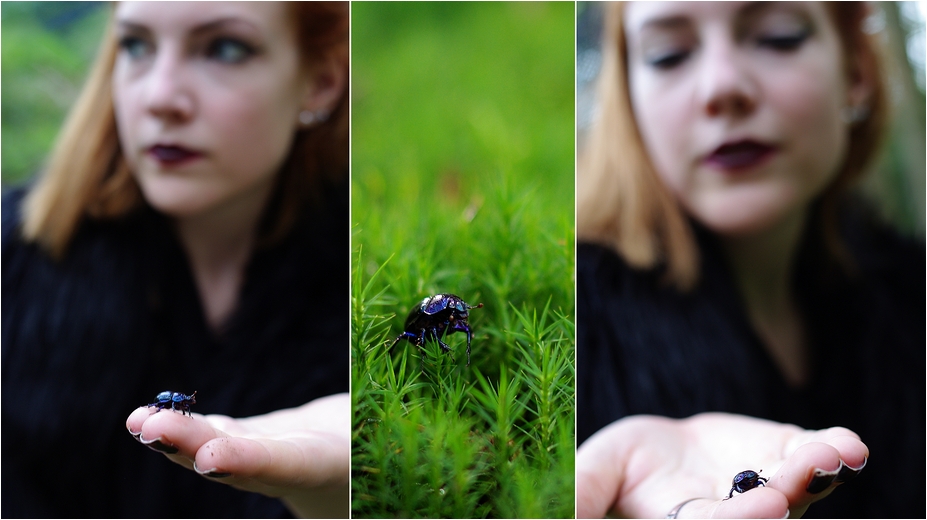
[(205, 27), (224, 23), (754, 9), (665, 22), (130, 26)]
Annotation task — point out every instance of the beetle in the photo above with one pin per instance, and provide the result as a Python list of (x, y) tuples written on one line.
[(437, 316), (747, 480), (176, 400)]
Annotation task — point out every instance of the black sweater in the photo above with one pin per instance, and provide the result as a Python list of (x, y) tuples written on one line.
[(644, 348), (88, 339)]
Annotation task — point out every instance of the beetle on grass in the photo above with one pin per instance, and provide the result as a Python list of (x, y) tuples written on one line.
[(745, 481), (176, 400), (435, 317)]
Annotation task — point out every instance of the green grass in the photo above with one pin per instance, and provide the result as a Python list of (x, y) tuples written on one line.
[(462, 182)]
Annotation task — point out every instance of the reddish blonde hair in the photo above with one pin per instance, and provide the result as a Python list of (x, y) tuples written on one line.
[(622, 203), (87, 176)]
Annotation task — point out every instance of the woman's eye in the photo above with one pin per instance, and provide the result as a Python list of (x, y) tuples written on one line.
[(787, 42), (667, 61), (134, 47), (228, 50)]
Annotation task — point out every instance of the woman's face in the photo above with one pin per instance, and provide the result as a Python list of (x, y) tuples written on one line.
[(739, 105), (207, 97)]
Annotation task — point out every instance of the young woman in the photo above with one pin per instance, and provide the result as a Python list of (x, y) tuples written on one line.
[(190, 234), (728, 269)]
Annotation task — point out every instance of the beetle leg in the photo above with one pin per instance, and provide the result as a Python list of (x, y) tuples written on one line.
[(437, 337), (405, 335), (444, 346), (468, 344)]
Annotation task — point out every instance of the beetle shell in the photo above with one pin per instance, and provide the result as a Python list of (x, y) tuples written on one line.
[(745, 481), (435, 317), (176, 400)]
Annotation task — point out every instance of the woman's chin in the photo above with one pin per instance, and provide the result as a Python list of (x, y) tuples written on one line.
[(182, 205), (744, 223)]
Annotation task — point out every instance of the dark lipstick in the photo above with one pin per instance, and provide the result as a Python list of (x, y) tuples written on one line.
[(170, 155), (739, 155)]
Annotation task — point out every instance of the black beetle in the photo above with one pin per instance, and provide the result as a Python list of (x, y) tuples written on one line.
[(747, 480), (177, 400), (435, 317)]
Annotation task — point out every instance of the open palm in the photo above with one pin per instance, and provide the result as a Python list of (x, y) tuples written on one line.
[(643, 466)]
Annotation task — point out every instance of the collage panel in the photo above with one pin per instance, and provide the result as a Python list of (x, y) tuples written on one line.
[(462, 215), (175, 265), (750, 259)]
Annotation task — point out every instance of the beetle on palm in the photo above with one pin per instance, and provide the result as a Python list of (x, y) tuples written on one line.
[(745, 481), (435, 317)]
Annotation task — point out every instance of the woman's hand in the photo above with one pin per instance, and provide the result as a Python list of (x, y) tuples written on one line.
[(301, 455), (644, 466)]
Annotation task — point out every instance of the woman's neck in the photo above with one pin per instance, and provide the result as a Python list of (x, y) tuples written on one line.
[(763, 265), (218, 244)]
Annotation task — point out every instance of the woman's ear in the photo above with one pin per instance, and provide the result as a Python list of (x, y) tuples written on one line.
[(327, 84), (862, 81), (862, 77)]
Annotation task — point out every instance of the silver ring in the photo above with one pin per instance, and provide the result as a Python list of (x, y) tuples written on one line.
[(674, 513)]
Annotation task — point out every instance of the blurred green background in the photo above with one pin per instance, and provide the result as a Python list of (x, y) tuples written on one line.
[(446, 95), (47, 48)]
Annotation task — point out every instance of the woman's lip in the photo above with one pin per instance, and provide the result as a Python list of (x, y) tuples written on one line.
[(740, 155), (172, 155)]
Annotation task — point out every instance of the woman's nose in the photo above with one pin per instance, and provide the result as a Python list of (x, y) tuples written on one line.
[(168, 91), (727, 86)]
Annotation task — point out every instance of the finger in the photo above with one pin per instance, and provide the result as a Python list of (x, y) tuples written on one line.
[(599, 475), (277, 467), (331, 413), (756, 503), (609, 463), (854, 455), (808, 475), (136, 419), (175, 435), (853, 452)]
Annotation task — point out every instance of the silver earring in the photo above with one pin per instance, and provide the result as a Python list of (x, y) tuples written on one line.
[(308, 117), (854, 114)]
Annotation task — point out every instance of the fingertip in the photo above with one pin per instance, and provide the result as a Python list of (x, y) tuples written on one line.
[(136, 419), (839, 431), (853, 452), (232, 455)]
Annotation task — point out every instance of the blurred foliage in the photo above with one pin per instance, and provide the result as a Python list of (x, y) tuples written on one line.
[(897, 177), (47, 48)]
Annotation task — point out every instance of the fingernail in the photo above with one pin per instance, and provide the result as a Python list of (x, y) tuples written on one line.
[(137, 435), (822, 480), (847, 473), (157, 445), (211, 473)]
